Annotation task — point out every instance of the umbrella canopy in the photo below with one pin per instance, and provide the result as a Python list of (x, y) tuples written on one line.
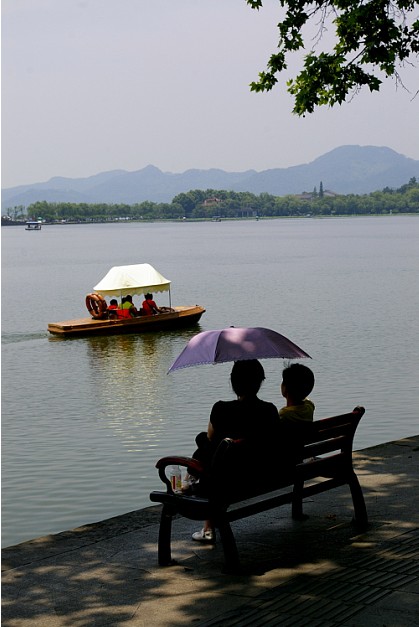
[(235, 344), (136, 279)]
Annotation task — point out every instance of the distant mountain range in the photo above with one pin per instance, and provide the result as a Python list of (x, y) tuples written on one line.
[(344, 170)]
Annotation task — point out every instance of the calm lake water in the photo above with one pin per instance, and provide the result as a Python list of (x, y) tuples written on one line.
[(84, 420)]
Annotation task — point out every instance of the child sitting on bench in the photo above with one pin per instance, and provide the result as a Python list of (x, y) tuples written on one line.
[(297, 383)]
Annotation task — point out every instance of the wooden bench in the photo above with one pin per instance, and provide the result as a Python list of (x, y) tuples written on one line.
[(322, 460)]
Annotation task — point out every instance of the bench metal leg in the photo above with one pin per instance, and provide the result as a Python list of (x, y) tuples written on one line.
[(231, 554), (360, 516), (165, 533), (297, 501)]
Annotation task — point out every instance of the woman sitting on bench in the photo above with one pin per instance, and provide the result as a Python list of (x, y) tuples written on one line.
[(247, 417)]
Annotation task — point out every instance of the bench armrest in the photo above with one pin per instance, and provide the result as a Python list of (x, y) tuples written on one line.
[(174, 460)]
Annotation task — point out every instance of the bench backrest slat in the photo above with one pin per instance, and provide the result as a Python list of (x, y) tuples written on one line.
[(331, 434), (326, 446), (321, 428)]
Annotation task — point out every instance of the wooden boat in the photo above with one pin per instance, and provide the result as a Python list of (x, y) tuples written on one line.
[(179, 317), (121, 281)]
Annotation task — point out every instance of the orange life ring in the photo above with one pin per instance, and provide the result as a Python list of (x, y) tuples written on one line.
[(96, 305)]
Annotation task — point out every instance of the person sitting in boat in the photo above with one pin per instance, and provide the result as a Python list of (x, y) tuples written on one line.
[(149, 306), (128, 304), (112, 307)]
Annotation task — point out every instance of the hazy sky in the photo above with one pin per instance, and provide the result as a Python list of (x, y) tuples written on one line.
[(96, 85)]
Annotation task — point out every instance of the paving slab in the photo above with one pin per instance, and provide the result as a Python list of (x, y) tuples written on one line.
[(319, 572)]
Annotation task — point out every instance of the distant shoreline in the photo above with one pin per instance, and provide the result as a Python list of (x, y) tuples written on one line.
[(244, 219)]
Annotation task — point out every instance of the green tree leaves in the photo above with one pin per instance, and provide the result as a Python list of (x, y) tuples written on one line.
[(372, 40)]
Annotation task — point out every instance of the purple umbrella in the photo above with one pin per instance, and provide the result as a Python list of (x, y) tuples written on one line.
[(235, 344)]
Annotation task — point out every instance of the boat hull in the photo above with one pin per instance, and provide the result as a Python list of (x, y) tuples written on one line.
[(181, 316)]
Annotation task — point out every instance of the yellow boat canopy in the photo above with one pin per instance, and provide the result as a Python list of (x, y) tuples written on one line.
[(137, 279)]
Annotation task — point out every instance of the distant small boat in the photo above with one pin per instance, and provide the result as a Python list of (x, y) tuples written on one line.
[(120, 281), (33, 225)]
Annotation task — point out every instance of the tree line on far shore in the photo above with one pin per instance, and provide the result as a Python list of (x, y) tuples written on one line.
[(217, 204)]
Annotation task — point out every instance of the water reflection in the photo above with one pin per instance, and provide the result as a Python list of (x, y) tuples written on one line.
[(128, 377)]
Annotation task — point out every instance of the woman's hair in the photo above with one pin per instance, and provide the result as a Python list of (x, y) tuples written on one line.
[(246, 377)]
